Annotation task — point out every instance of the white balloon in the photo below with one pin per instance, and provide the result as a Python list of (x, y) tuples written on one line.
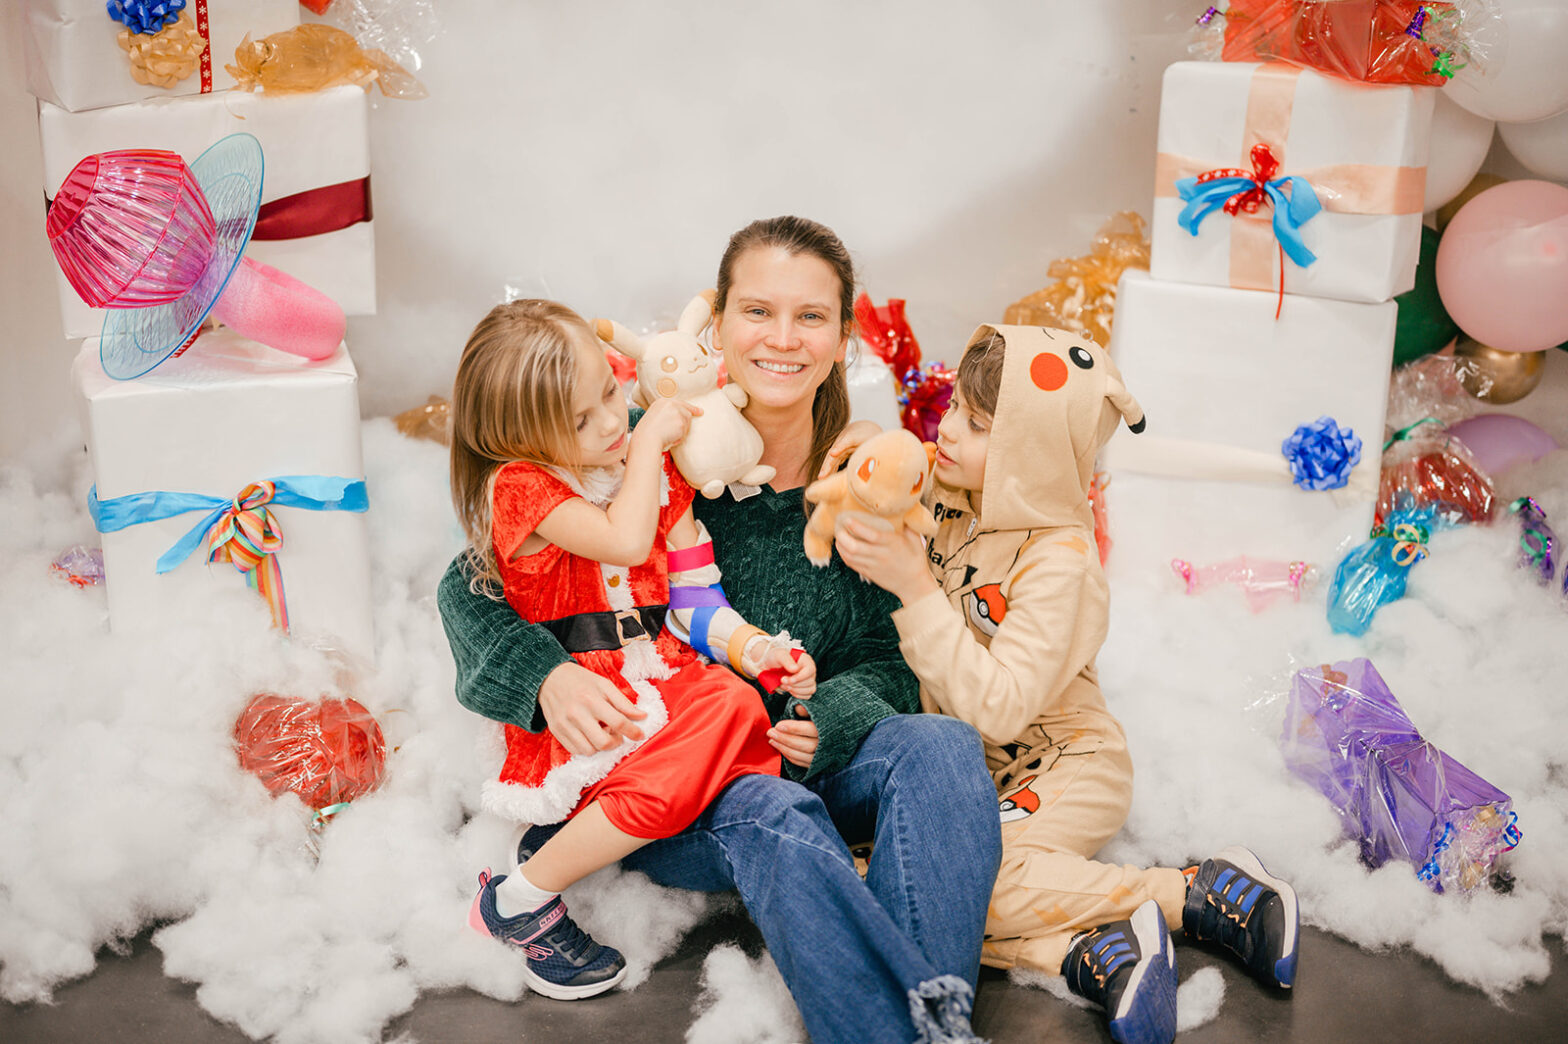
[(1460, 142), (1524, 76), (1542, 146)]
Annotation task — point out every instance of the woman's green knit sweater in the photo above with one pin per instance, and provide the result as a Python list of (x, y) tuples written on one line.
[(844, 623)]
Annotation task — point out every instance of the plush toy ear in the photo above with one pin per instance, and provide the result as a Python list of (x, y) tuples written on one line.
[(697, 314), (1122, 399), (619, 338)]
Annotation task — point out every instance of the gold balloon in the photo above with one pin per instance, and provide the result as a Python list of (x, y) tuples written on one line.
[(1496, 376), (1479, 183)]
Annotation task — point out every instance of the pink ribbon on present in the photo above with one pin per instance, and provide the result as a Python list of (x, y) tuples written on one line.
[(1345, 188)]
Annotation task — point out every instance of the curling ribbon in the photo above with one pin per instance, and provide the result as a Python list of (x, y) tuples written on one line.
[(1409, 544), (1236, 190), (240, 529), (314, 211)]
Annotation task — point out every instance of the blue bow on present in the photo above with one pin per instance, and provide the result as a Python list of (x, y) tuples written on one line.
[(1235, 190)]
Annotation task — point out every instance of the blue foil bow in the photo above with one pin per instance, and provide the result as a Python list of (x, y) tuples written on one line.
[(145, 16), (1321, 454), (1235, 190)]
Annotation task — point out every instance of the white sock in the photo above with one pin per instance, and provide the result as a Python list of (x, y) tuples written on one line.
[(517, 895)]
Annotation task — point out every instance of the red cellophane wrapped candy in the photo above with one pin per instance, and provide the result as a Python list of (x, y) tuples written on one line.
[(1422, 464), (327, 751), (1369, 41)]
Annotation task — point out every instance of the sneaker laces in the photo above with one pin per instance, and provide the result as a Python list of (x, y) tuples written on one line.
[(568, 940)]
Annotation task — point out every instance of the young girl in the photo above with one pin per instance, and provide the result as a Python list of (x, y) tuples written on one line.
[(587, 529)]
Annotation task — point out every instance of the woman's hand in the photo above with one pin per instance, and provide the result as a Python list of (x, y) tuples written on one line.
[(796, 740), (586, 712), (895, 562), (848, 441), (667, 421)]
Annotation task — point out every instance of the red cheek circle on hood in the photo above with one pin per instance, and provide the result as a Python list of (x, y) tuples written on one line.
[(1048, 371)]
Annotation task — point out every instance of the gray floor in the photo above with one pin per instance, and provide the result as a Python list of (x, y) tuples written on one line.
[(1344, 994)]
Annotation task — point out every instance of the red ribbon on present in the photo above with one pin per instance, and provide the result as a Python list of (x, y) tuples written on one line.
[(206, 52), (1264, 169), (314, 211)]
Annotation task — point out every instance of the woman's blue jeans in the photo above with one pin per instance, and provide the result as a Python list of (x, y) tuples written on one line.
[(890, 958)]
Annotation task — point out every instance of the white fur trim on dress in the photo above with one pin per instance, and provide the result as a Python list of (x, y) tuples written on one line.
[(559, 792)]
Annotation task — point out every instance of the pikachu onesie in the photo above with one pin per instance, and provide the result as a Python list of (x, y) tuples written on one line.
[(1009, 643)]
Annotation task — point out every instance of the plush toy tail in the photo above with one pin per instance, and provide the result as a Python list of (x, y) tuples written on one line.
[(276, 309)]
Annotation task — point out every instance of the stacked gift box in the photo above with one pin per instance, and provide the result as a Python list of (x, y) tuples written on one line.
[(1287, 215), (228, 453)]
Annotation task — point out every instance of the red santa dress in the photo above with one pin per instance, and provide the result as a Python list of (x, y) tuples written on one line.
[(705, 726)]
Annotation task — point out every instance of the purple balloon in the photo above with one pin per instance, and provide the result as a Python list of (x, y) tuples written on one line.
[(1501, 440)]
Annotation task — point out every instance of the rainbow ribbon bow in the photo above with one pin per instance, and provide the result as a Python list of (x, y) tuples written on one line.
[(241, 530), (1235, 190)]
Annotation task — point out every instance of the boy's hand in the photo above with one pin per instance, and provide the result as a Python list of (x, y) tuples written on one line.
[(800, 671), (895, 562), (667, 421), (848, 441), (795, 740), (586, 712)]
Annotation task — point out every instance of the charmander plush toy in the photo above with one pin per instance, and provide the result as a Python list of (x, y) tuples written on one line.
[(722, 447), (885, 477)]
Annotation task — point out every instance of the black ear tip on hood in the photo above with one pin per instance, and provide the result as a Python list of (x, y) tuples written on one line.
[(1137, 429)]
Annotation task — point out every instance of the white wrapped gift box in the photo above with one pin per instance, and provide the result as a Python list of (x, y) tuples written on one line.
[(1362, 148), (1223, 385), (223, 414), (74, 58), (315, 187)]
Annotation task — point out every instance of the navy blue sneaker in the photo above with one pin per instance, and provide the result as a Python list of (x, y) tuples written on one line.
[(532, 838), (563, 961), (1129, 969), (1234, 902)]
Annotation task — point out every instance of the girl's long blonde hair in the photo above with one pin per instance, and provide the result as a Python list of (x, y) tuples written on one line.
[(511, 400)]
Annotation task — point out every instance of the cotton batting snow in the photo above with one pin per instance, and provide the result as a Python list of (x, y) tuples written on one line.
[(122, 803)]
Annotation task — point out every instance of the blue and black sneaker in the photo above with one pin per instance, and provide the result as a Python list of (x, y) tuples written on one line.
[(1129, 969), (529, 839), (1234, 902), (563, 961)]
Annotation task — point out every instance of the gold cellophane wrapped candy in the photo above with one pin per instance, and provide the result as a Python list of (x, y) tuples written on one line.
[(432, 421), (313, 57), (164, 58), (1083, 298)]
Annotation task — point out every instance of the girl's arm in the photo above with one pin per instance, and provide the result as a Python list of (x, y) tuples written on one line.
[(622, 534)]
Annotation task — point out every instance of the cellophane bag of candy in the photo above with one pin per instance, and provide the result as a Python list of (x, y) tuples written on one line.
[(1424, 466), (1397, 795), (1413, 42), (328, 751)]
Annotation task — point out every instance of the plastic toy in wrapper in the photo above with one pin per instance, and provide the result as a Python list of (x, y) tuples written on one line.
[(1413, 42), (1423, 465), (1261, 580), (432, 421), (1375, 573), (313, 57), (924, 397), (79, 566), (1537, 541), (329, 751), (1083, 298), (886, 332), (396, 27), (1398, 796)]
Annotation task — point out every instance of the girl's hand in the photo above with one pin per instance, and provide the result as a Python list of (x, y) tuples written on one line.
[(586, 712), (666, 421), (895, 562), (795, 740), (800, 676), (848, 441)]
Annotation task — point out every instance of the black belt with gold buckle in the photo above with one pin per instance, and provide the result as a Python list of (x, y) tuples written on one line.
[(587, 632)]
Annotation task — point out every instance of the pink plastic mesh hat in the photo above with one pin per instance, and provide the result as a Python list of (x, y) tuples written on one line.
[(131, 228)]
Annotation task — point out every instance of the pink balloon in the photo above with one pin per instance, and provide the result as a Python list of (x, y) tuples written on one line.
[(1502, 266), (1500, 440)]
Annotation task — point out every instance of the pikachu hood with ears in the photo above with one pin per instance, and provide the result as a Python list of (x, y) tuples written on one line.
[(1008, 643), (1060, 399)]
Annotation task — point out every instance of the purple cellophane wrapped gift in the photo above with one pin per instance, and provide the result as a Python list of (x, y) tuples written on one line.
[(1398, 796)]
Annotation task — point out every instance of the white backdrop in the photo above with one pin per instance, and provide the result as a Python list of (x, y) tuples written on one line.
[(602, 153)]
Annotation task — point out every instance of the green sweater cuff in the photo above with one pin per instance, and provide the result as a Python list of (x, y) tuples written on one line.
[(844, 708)]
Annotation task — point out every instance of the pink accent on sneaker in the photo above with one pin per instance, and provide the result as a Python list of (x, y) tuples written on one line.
[(476, 920), (546, 922)]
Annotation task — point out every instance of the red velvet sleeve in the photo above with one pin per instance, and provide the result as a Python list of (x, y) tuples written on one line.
[(681, 496), (523, 495)]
